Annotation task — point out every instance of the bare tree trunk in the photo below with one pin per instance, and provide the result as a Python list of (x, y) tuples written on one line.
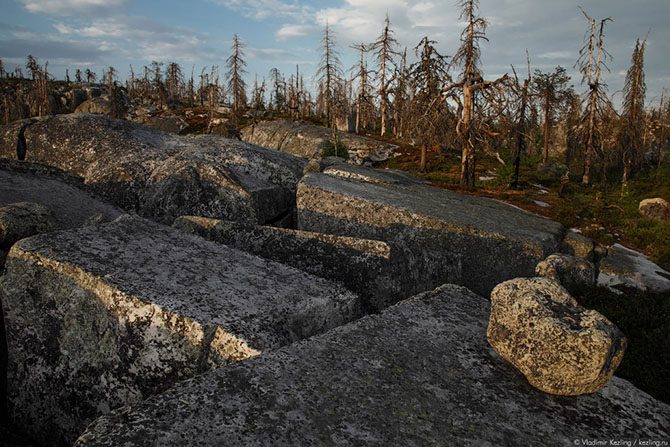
[(547, 129), (422, 163), (468, 154)]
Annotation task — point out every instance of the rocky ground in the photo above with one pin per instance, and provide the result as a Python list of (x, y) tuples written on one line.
[(199, 290)]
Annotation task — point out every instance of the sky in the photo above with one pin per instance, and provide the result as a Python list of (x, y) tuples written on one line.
[(282, 33)]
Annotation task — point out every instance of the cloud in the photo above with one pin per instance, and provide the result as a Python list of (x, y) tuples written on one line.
[(73, 7), (141, 38), (56, 50), (290, 31), (263, 9)]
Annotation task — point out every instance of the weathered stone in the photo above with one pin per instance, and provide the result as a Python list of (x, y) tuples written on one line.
[(495, 241), (160, 175), (105, 316), (381, 273), (623, 266), (571, 272), (166, 123), (306, 140), (558, 345), (22, 219), (577, 244), (377, 176), (98, 105), (421, 373), (657, 208), (312, 166), (71, 205)]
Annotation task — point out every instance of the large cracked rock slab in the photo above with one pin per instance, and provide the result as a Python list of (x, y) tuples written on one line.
[(421, 373), (306, 140), (561, 347), (160, 175), (495, 241), (625, 267), (382, 273), (105, 316)]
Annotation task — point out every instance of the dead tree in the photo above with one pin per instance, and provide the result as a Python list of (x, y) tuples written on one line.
[(235, 74), (469, 88), (174, 81), (427, 76), (632, 138), (278, 89), (521, 124), (384, 49), (551, 89), (329, 74), (592, 59)]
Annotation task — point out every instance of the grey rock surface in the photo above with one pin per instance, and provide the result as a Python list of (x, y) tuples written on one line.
[(656, 208), (71, 206), (305, 140), (381, 273), (105, 316), (623, 266), (571, 272), (160, 175), (494, 241), (421, 373), (558, 345), (377, 176)]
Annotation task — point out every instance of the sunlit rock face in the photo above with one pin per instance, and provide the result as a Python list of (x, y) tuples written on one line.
[(160, 175), (107, 315), (382, 273), (558, 345), (420, 373), (493, 240), (307, 141), (625, 267)]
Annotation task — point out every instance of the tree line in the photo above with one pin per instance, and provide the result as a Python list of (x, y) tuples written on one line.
[(434, 102)]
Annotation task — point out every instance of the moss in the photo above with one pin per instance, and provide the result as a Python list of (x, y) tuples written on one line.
[(339, 149), (645, 320)]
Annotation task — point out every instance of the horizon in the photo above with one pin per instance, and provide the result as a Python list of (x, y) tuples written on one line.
[(71, 34)]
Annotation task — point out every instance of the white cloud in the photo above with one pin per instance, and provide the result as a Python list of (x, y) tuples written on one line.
[(290, 31), (72, 7), (263, 9)]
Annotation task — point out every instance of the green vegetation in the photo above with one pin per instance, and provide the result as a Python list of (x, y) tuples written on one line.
[(339, 149), (645, 319)]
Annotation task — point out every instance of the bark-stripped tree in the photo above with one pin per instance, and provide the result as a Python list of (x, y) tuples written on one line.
[(364, 103), (278, 90), (427, 76), (469, 88), (551, 89), (329, 75), (521, 124), (384, 49), (236, 71), (174, 81), (633, 125), (591, 62)]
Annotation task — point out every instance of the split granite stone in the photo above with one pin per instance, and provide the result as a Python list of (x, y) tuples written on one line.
[(107, 315), (382, 273), (306, 140), (421, 373), (160, 175), (571, 272), (625, 267), (493, 240), (561, 347)]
